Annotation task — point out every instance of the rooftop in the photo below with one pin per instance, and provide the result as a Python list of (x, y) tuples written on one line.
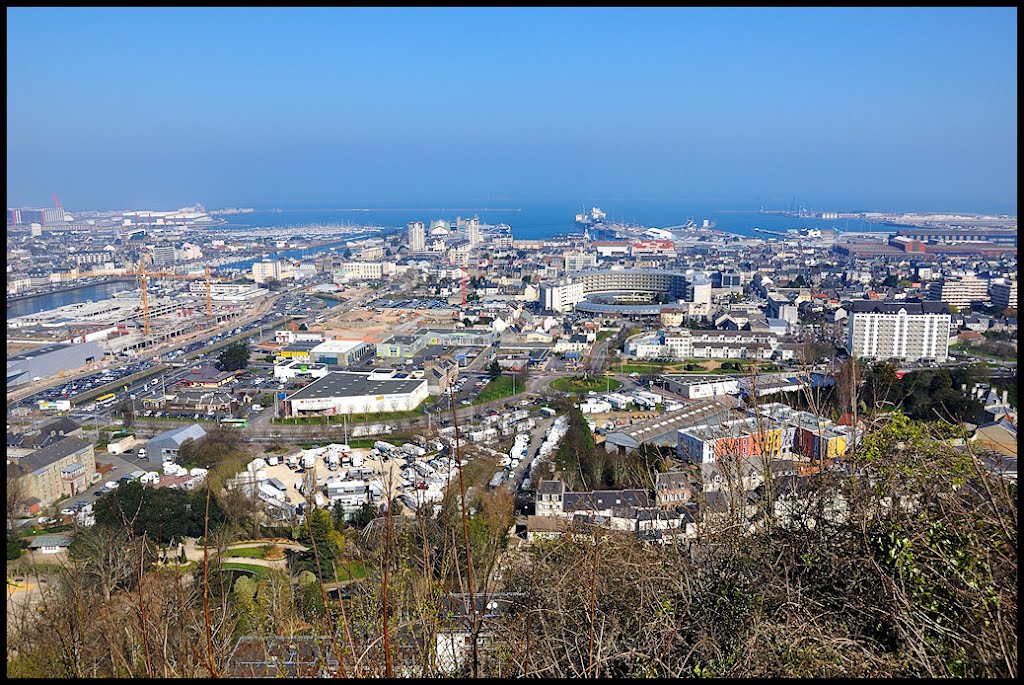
[(875, 307), (663, 429), (340, 346), (348, 384), (44, 457)]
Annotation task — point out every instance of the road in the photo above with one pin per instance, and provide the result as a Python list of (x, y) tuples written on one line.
[(537, 435), (163, 348)]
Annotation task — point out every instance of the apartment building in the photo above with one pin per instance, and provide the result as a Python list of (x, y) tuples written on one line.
[(898, 330), (1004, 295), (962, 292)]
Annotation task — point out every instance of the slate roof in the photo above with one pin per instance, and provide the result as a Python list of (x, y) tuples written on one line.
[(46, 456), (601, 500), (50, 541), (872, 307)]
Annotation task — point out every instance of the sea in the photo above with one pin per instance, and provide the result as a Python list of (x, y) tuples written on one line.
[(543, 221), (530, 223)]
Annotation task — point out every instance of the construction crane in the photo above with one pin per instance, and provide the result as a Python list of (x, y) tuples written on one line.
[(56, 202), (144, 276)]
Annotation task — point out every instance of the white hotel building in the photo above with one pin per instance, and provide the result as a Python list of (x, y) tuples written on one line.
[(898, 330)]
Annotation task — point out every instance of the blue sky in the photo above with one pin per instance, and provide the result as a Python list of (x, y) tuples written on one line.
[(332, 107)]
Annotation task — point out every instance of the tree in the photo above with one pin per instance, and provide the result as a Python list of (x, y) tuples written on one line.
[(366, 513), (187, 453), (17, 488), (162, 514), (890, 281), (494, 369), (106, 557), (338, 515), (319, 532), (127, 412), (234, 357), (799, 282)]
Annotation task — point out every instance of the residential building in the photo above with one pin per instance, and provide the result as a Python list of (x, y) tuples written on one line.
[(364, 271), (1004, 295), (578, 261), (440, 374), (268, 270), (781, 307), (62, 469), (898, 330), (962, 292), (163, 255)]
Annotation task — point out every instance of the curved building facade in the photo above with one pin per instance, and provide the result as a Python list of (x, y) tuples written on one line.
[(627, 291)]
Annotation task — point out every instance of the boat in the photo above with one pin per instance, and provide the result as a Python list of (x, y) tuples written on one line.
[(592, 218)]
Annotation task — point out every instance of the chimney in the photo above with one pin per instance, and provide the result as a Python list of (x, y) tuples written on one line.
[(1004, 398)]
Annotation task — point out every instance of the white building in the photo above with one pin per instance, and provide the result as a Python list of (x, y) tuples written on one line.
[(959, 292), (578, 261), (472, 227), (704, 388), (898, 330), (296, 369), (226, 292), (686, 344), (342, 392), (417, 236), (364, 271), (268, 270)]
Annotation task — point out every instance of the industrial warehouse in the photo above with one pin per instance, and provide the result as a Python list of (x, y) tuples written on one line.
[(342, 392)]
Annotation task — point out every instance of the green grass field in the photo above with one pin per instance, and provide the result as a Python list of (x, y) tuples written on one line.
[(247, 552), (352, 570), (498, 388), (258, 571), (579, 384)]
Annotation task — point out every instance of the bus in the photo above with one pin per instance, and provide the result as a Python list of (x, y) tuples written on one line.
[(106, 400), (240, 423)]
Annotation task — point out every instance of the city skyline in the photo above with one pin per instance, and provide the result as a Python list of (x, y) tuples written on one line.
[(887, 109)]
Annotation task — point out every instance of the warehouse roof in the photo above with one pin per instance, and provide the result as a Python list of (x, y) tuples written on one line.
[(664, 429), (348, 384)]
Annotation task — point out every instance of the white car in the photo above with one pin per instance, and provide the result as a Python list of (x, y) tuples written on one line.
[(69, 511), (46, 520)]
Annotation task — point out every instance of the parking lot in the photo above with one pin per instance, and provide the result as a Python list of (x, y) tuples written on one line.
[(85, 384), (416, 303)]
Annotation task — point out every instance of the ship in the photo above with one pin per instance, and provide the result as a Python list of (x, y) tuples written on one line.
[(592, 218)]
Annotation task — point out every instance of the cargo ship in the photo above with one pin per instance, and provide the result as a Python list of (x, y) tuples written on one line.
[(592, 218)]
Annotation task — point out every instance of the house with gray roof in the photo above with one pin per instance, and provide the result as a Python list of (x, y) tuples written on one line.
[(164, 447), (61, 469), (50, 544)]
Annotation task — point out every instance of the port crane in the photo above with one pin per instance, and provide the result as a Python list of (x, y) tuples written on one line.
[(144, 277)]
